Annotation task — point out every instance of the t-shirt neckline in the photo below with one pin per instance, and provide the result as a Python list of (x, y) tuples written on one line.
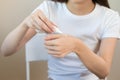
[(68, 12)]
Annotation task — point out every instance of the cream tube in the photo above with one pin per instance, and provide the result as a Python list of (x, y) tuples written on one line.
[(57, 31)]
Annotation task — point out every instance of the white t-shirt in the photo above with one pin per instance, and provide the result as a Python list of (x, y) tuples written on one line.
[(91, 29)]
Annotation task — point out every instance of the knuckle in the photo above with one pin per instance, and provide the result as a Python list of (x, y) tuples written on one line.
[(57, 43), (59, 49), (62, 55)]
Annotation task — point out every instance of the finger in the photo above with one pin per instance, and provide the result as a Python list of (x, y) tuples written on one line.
[(29, 23), (59, 55), (52, 36), (41, 25), (63, 54), (45, 28), (45, 20), (36, 26), (53, 52), (51, 43), (53, 48), (53, 24), (37, 20)]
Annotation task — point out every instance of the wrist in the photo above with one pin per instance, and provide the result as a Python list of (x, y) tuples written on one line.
[(76, 43), (24, 25), (79, 46)]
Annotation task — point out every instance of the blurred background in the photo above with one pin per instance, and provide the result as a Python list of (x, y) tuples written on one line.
[(12, 13)]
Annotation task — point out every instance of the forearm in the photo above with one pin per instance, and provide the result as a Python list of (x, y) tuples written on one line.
[(93, 62), (11, 42)]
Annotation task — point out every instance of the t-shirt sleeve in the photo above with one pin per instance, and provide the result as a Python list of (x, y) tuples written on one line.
[(112, 26), (44, 8)]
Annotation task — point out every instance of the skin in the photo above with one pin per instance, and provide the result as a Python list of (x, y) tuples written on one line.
[(25, 31), (59, 45)]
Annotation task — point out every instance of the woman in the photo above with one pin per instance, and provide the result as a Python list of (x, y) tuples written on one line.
[(85, 49)]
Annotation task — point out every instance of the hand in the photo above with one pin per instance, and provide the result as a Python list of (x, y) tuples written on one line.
[(60, 45), (38, 21)]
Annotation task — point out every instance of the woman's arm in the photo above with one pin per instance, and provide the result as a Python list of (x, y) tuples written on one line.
[(16, 39), (99, 65), (59, 45), (25, 31)]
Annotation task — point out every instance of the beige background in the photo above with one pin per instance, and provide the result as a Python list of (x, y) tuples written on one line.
[(12, 12)]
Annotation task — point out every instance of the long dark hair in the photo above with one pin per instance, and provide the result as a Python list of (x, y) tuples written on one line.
[(101, 2)]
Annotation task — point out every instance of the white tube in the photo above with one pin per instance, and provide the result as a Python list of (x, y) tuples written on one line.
[(57, 31)]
